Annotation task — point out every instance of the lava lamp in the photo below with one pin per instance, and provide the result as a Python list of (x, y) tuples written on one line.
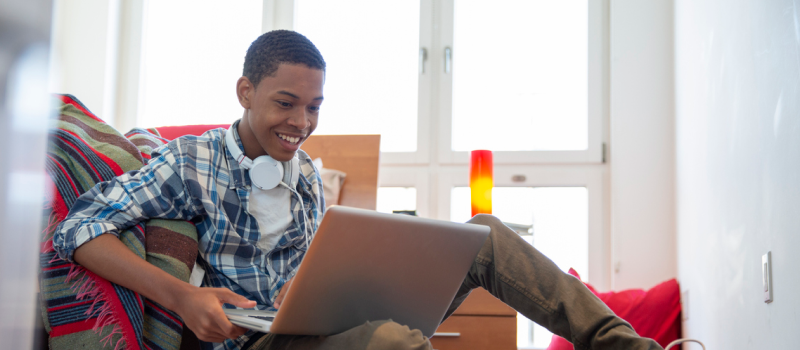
[(481, 181)]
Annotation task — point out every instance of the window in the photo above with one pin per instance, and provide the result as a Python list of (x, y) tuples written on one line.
[(192, 55), (391, 199), (370, 87), (515, 92)]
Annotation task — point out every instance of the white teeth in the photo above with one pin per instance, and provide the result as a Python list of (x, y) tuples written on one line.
[(289, 138)]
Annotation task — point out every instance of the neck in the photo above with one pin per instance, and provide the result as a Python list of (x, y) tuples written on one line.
[(251, 147)]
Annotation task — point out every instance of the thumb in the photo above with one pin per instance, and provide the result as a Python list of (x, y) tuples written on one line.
[(237, 300)]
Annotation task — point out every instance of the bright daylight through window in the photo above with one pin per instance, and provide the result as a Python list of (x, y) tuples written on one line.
[(516, 85), (396, 198), (190, 68), (370, 48)]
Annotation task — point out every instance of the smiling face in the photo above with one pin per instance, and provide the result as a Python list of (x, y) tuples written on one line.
[(281, 112)]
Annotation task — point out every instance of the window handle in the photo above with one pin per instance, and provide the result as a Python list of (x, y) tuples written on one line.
[(447, 334), (423, 56), (448, 59)]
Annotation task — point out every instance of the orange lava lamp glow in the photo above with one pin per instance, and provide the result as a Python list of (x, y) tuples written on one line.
[(481, 181)]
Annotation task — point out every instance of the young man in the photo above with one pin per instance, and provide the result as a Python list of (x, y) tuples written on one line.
[(253, 237)]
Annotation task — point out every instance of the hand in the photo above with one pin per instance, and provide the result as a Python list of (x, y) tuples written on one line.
[(282, 293), (202, 312)]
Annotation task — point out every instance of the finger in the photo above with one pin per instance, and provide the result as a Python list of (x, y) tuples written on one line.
[(238, 331), (227, 296), (278, 301), (215, 339), (282, 293), (220, 322), (231, 331), (228, 329), (210, 336)]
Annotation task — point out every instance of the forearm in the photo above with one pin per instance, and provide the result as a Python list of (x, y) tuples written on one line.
[(200, 308), (109, 258)]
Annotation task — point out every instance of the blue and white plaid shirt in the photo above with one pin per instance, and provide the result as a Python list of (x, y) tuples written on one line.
[(195, 178)]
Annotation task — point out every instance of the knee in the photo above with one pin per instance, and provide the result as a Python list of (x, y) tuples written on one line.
[(393, 336), (485, 219), (499, 229)]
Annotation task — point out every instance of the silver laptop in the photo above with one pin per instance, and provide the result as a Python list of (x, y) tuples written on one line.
[(367, 266)]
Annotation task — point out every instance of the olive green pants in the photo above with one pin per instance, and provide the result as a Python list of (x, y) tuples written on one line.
[(376, 335)]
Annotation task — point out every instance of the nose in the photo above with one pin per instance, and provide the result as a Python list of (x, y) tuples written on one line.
[(300, 119)]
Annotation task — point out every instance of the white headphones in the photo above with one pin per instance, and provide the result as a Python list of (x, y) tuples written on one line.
[(265, 173)]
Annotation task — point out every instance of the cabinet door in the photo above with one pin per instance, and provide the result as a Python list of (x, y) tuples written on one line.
[(481, 303)]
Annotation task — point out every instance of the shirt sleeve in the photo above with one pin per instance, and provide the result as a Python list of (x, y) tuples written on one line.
[(154, 191)]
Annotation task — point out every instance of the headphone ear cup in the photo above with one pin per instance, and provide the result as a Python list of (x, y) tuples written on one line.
[(266, 173)]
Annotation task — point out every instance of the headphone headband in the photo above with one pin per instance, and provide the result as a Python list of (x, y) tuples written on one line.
[(265, 172), (237, 153)]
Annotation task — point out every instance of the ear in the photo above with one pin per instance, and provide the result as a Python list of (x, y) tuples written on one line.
[(245, 91)]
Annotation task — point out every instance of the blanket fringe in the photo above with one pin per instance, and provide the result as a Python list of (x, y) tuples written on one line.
[(57, 212), (52, 223), (85, 286), (120, 344)]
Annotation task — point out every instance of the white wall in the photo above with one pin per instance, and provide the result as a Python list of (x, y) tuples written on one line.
[(738, 169), (642, 145)]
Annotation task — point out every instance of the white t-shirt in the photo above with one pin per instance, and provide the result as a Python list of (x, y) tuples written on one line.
[(271, 208)]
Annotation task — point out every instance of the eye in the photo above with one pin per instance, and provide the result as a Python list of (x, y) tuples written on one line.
[(284, 104), (313, 108)]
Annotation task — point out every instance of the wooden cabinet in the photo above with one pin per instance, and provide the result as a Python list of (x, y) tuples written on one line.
[(481, 322)]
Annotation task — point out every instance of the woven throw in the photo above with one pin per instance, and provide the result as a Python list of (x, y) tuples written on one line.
[(82, 310)]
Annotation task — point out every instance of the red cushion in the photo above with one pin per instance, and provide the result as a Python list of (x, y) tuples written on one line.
[(654, 313), (174, 132)]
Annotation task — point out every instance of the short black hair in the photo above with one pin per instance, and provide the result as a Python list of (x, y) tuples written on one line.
[(279, 46)]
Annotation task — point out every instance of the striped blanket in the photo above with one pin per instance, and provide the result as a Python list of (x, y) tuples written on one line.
[(81, 309)]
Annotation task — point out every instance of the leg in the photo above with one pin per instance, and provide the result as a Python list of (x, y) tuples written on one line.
[(377, 335), (519, 275)]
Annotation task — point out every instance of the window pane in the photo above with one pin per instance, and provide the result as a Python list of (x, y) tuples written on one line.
[(192, 55), (520, 75), (370, 48), (560, 219), (396, 198)]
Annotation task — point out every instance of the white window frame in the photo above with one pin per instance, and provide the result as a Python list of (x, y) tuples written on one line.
[(409, 176), (434, 169), (426, 96), (596, 53), (434, 122), (435, 89)]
